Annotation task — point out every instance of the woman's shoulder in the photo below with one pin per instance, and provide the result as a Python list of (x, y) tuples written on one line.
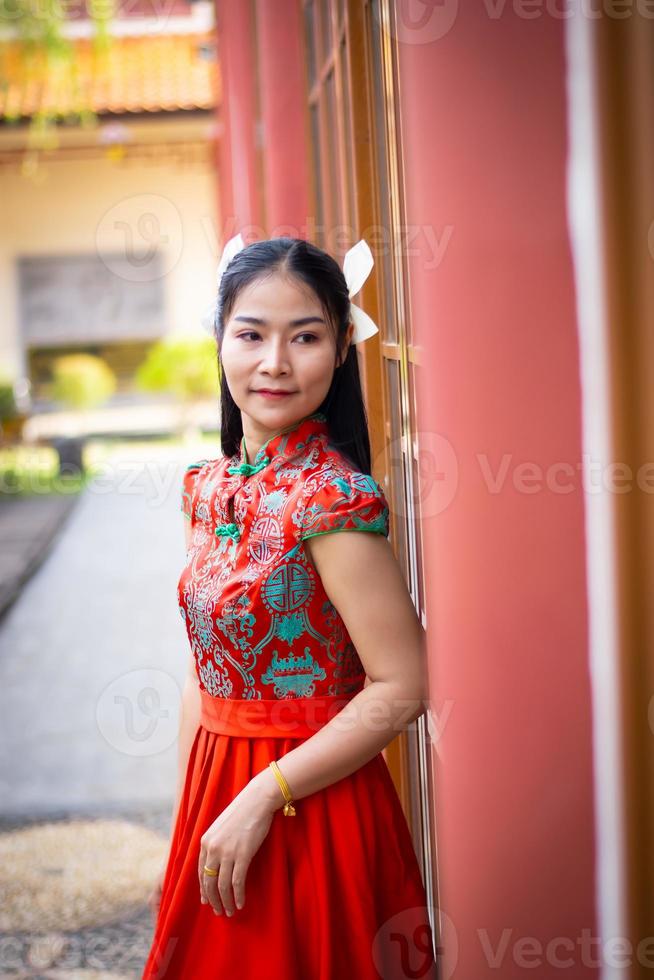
[(207, 466), (334, 466), (194, 476), (192, 469), (339, 496), (200, 468)]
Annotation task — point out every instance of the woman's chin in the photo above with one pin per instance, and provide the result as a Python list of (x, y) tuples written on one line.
[(275, 411)]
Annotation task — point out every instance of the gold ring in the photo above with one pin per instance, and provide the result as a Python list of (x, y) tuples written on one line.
[(210, 871)]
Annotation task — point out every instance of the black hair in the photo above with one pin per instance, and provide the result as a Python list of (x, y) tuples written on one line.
[(343, 405)]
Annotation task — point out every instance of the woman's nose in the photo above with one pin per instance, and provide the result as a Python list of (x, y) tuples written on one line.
[(275, 358)]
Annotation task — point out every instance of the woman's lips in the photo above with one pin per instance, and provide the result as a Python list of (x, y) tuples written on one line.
[(274, 394)]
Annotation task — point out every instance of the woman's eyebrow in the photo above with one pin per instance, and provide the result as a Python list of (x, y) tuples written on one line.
[(302, 322)]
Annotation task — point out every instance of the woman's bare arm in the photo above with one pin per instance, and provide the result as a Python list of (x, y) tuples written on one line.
[(189, 716), (362, 578), (188, 726)]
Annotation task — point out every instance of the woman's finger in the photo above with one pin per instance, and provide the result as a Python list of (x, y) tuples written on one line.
[(238, 883), (225, 886), (211, 887), (201, 874)]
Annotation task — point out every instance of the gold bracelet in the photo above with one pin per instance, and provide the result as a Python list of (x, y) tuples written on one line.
[(289, 809)]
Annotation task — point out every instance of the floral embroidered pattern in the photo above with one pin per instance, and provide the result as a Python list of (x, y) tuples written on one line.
[(259, 622), (293, 675), (343, 504)]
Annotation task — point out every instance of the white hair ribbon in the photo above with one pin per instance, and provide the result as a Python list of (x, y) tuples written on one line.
[(233, 246), (357, 266)]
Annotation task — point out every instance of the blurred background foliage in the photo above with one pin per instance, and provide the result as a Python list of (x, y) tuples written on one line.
[(186, 367), (82, 381)]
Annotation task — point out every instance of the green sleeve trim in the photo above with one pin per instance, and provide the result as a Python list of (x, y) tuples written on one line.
[(334, 530)]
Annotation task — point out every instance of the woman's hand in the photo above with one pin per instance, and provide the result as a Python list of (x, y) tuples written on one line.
[(154, 898), (231, 842)]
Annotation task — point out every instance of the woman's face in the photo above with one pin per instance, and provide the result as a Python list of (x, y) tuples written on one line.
[(277, 338)]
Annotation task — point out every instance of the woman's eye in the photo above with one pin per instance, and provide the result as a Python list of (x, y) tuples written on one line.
[(247, 334)]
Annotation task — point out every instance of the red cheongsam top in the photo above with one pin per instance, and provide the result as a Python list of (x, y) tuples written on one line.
[(259, 622)]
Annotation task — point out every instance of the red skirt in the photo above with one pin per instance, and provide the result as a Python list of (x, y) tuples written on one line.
[(333, 893)]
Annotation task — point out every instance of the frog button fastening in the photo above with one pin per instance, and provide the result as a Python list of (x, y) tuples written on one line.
[(228, 531), (248, 469)]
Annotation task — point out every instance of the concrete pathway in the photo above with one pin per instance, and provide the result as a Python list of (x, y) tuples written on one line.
[(27, 527), (93, 652)]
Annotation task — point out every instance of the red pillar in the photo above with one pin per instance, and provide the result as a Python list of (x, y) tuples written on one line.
[(492, 297), (283, 103), (240, 202)]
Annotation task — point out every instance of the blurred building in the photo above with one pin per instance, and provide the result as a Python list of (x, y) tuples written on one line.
[(108, 231)]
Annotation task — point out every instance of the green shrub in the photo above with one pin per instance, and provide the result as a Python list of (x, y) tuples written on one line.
[(8, 408), (187, 367), (82, 381)]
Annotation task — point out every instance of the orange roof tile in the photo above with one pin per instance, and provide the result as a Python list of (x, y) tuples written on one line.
[(136, 74)]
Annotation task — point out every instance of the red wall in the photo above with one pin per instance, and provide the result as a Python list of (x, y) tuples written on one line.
[(484, 129)]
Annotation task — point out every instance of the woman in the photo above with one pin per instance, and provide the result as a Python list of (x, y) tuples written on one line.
[(307, 656)]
